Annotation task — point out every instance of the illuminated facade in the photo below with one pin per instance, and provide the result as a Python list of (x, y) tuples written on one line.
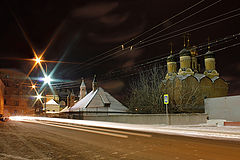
[(188, 88), (17, 99), (1, 97)]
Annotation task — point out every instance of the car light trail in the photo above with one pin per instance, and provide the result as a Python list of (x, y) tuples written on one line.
[(170, 130), (78, 129), (101, 129)]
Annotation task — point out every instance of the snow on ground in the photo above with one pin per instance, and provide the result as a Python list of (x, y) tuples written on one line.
[(201, 131)]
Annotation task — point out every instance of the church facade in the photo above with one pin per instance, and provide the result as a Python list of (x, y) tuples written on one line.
[(187, 87)]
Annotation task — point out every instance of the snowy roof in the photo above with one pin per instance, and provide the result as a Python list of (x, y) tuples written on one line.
[(198, 76), (66, 109), (99, 99), (215, 78), (52, 102)]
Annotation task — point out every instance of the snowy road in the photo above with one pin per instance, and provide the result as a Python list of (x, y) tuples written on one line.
[(53, 140)]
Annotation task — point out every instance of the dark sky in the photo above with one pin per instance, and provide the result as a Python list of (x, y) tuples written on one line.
[(85, 29)]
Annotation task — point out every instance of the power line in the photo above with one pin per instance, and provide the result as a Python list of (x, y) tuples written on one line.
[(196, 24), (215, 51), (199, 48), (191, 30), (74, 84), (180, 21), (120, 46)]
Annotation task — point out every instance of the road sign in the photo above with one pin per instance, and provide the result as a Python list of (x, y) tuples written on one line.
[(166, 100)]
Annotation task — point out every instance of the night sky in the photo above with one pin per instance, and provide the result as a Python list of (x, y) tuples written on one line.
[(82, 30)]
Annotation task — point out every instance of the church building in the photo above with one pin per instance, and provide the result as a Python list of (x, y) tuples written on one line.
[(187, 88), (97, 101)]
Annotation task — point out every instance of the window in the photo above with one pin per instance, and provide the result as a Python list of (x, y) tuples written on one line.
[(5, 101)]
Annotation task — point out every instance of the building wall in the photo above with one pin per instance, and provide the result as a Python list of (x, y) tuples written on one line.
[(227, 108), (52, 108), (17, 99), (173, 119), (1, 97), (187, 95)]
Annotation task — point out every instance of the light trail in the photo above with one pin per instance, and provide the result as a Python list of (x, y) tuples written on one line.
[(101, 129), (78, 129), (169, 130)]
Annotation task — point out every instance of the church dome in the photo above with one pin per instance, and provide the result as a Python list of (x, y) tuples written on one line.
[(171, 58), (209, 54), (185, 52)]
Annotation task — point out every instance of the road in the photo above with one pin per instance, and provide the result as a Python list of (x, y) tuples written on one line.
[(52, 140)]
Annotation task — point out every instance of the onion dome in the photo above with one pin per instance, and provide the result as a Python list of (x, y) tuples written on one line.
[(185, 52), (209, 54), (171, 58)]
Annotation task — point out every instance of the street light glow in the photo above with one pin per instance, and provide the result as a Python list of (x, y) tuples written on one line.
[(39, 96), (33, 86), (38, 60), (47, 79)]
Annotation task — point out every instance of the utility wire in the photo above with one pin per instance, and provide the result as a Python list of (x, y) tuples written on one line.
[(180, 21), (215, 51), (146, 31), (164, 39), (191, 30), (199, 47), (193, 25)]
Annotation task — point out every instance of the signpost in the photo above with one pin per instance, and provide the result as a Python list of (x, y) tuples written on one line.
[(166, 102)]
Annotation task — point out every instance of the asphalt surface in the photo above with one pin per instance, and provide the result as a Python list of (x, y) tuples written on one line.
[(47, 140)]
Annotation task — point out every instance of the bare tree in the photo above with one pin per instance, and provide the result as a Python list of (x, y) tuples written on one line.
[(147, 90), (186, 96)]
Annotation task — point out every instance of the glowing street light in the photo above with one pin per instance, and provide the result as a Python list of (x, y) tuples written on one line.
[(33, 86), (39, 96), (47, 79), (38, 60)]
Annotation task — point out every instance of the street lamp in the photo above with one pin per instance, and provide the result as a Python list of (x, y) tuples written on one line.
[(47, 79), (39, 97), (33, 86), (38, 60)]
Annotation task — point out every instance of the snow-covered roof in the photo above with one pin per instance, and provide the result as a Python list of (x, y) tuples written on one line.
[(66, 109), (99, 99), (215, 78), (199, 76), (84, 102), (52, 102)]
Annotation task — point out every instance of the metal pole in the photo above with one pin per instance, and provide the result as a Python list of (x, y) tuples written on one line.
[(167, 116), (46, 67), (45, 94)]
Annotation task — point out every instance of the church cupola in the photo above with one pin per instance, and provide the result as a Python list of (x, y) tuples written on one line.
[(72, 98), (185, 61), (83, 90), (209, 59), (171, 66), (94, 84), (194, 64)]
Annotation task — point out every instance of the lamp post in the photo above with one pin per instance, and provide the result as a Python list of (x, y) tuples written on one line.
[(46, 79)]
